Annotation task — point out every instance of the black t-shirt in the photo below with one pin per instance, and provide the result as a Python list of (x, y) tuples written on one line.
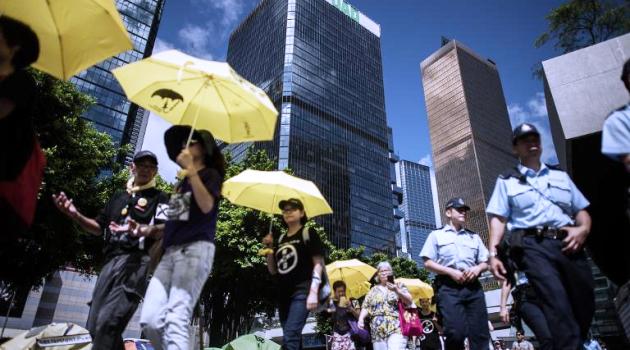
[(186, 222), (430, 338), (16, 129), (340, 318), (294, 259), (145, 207)]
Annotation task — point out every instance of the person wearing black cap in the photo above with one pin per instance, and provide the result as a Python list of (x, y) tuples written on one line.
[(123, 279), (188, 238), (457, 255), (545, 214), (297, 259)]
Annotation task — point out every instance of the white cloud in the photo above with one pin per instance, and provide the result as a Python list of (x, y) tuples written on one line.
[(534, 111), (426, 160), (195, 40), (230, 12), (162, 45), (154, 141)]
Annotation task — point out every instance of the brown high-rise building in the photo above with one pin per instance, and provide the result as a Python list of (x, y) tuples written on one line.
[(469, 127)]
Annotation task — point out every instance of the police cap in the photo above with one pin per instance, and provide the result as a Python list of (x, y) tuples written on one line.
[(523, 130), (456, 203)]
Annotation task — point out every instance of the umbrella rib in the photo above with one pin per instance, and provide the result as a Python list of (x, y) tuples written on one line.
[(247, 102), (223, 103), (63, 59)]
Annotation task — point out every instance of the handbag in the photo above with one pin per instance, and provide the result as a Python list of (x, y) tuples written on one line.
[(410, 324), (361, 336)]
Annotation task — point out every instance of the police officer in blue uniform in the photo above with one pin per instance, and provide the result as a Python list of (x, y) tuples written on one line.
[(610, 201), (457, 255), (546, 215)]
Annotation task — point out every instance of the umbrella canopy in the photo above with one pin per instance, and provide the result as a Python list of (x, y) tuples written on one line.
[(55, 336), (263, 190), (354, 273), (417, 288), (204, 94), (73, 34), (251, 342)]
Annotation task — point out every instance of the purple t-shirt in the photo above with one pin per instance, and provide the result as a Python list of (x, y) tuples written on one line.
[(186, 222)]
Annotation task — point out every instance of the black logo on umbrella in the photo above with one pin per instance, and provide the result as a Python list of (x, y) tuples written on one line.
[(164, 100)]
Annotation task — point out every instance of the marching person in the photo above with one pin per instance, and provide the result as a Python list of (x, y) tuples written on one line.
[(457, 255), (546, 215), (430, 338), (521, 343), (123, 279), (298, 260), (342, 311), (188, 238), (381, 304)]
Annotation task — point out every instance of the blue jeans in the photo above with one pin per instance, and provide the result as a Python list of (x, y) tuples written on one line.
[(293, 314), (173, 292)]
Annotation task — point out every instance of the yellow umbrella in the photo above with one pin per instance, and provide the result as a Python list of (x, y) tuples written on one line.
[(263, 190), (417, 288), (73, 34), (204, 94), (54, 336), (354, 273)]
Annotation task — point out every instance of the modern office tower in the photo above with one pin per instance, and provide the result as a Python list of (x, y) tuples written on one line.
[(113, 113), (320, 63), (469, 127), (417, 206), (581, 89), (397, 196)]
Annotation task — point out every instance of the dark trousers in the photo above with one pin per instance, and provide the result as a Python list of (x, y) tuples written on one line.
[(293, 314), (564, 285), (117, 293), (464, 315), (534, 317)]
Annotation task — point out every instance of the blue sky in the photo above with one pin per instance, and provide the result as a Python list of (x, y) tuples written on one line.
[(503, 31)]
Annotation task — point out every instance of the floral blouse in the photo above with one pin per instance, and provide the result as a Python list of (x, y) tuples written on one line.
[(382, 306)]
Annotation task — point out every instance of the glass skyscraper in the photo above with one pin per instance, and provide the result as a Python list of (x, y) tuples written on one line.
[(320, 63), (417, 206), (113, 113), (469, 128)]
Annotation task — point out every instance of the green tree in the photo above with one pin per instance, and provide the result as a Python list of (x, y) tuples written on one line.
[(581, 23), (75, 153)]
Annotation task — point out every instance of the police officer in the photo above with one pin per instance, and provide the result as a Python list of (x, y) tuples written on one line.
[(457, 255), (616, 130), (124, 277), (546, 215)]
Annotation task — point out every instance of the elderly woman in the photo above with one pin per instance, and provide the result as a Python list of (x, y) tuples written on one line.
[(381, 304)]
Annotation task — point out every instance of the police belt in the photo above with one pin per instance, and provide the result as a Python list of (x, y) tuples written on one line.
[(542, 231)]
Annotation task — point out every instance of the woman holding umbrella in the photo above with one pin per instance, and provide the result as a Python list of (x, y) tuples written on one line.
[(188, 238), (298, 260)]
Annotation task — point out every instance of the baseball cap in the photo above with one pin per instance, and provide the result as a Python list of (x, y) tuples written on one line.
[(145, 154), (292, 202)]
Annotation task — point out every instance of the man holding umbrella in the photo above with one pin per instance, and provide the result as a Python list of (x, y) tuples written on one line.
[(123, 279)]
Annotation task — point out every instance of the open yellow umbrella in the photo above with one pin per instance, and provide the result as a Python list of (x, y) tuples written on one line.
[(354, 273), (263, 190), (73, 34), (417, 288), (204, 94)]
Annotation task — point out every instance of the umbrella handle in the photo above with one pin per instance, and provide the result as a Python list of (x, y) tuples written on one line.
[(192, 127)]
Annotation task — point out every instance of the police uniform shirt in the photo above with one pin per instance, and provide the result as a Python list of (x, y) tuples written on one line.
[(616, 133), (526, 201), (460, 250)]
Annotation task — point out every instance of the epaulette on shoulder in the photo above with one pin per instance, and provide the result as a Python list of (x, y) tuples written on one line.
[(554, 167), (512, 172)]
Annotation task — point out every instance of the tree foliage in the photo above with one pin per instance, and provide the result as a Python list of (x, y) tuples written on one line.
[(581, 23), (75, 154)]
